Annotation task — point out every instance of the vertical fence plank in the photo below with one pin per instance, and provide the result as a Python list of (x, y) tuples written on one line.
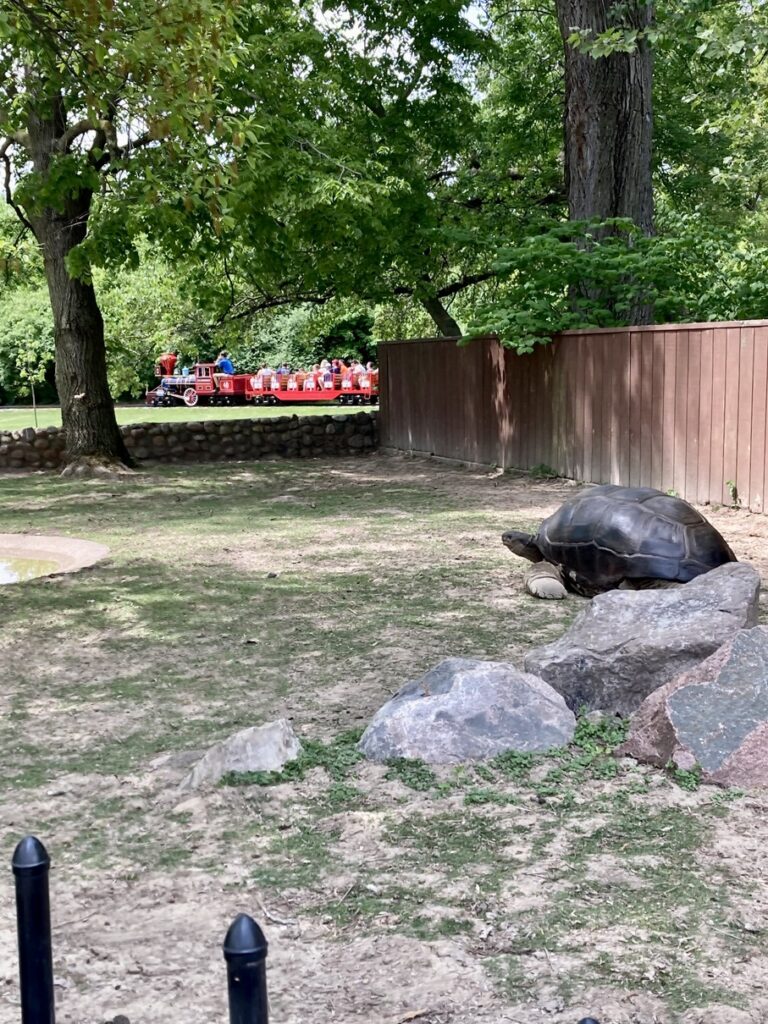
[(705, 417), (657, 410), (692, 395), (617, 415), (731, 415), (620, 359), (717, 413), (744, 419), (574, 425), (681, 411), (669, 404), (596, 401), (512, 402), (759, 421), (607, 388), (586, 355), (645, 342), (635, 410)]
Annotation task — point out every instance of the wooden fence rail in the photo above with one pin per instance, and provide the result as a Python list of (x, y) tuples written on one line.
[(681, 407)]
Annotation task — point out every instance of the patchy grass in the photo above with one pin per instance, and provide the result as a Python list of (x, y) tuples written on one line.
[(238, 594)]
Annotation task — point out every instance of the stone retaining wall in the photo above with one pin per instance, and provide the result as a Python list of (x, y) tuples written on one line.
[(207, 440)]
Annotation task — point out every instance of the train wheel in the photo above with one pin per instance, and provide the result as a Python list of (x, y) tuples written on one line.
[(191, 397)]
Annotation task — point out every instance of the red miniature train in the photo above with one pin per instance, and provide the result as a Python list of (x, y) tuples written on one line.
[(206, 385)]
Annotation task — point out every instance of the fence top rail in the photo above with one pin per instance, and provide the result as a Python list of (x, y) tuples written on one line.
[(706, 325)]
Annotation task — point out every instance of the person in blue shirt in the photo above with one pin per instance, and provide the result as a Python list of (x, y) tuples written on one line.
[(224, 364)]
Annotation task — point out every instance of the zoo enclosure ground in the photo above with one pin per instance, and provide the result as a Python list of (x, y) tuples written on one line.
[(18, 417), (526, 889)]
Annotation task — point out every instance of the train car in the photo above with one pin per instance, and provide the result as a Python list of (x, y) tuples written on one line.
[(267, 388)]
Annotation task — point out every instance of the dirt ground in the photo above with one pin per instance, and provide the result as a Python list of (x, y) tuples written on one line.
[(528, 889)]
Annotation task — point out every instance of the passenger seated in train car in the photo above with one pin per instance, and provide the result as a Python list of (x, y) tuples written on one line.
[(312, 378), (224, 364)]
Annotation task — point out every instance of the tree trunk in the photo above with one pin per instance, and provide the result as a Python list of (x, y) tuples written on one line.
[(608, 119), (93, 439), (442, 318)]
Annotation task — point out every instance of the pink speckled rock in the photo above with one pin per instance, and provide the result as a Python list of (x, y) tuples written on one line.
[(715, 715)]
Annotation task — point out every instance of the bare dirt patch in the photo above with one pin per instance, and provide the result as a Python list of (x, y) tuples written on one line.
[(547, 889)]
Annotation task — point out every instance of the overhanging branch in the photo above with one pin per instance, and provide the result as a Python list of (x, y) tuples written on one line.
[(73, 132), (250, 307), (5, 145), (466, 281)]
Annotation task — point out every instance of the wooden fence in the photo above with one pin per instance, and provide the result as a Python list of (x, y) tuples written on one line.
[(678, 407)]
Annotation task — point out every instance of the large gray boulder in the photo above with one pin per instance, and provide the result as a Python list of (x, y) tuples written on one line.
[(262, 748), (467, 710), (626, 643), (714, 715)]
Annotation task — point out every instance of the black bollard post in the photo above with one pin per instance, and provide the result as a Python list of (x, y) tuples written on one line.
[(245, 950), (589, 1020), (33, 915)]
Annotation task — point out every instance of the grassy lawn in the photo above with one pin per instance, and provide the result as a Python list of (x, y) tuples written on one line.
[(572, 884), (19, 417)]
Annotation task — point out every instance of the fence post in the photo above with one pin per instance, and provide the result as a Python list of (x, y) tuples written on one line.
[(245, 950), (33, 916)]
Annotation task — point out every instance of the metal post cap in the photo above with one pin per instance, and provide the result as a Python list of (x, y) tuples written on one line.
[(589, 1020), (245, 940), (30, 857)]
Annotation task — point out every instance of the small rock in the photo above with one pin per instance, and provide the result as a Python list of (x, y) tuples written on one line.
[(258, 749), (194, 806)]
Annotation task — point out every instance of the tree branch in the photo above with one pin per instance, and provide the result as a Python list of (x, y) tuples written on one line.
[(270, 302), (5, 145), (74, 131), (466, 281), (408, 86)]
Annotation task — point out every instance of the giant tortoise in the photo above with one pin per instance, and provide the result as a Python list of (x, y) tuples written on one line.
[(607, 537)]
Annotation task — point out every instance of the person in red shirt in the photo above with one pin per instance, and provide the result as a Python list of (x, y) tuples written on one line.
[(167, 363)]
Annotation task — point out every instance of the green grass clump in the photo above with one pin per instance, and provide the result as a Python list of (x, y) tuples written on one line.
[(412, 773)]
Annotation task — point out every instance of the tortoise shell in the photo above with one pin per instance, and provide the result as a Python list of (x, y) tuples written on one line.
[(607, 534)]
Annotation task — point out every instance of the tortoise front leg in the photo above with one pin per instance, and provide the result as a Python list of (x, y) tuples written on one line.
[(545, 581)]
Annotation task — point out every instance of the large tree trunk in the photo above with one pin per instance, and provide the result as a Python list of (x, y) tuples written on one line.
[(441, 318), (608, 119), (93, 438)]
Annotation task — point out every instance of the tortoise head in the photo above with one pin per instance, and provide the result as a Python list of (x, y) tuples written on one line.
[(522, 544)]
